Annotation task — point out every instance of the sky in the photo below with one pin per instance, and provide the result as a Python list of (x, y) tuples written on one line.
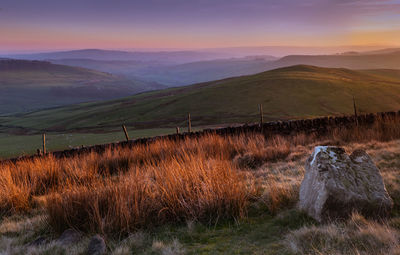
[(43, 25)]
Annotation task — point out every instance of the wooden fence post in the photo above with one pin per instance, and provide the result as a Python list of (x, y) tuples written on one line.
[(261, 116), (126, 133), (44, 143), (355, 110), (189, 124)]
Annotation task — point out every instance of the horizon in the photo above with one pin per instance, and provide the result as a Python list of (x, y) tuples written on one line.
[(46, 26), (239, 51)]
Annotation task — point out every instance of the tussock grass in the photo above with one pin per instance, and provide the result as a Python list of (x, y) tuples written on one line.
[(174, 191)]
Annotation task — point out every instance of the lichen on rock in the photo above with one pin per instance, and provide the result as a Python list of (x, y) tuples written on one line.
[(336, 184)]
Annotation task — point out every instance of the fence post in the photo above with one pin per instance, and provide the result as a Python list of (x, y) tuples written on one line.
[(44, 143), (126, 133), (355, 110), (189, 124), (261, 116), (177, 130)]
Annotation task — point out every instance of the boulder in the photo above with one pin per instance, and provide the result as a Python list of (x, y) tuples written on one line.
[(336, 184), (38, 241), (69, 236), (97, 246)]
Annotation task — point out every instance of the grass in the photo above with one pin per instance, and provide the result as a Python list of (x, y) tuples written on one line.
[(176, 191), (357, 236), (209, 195)]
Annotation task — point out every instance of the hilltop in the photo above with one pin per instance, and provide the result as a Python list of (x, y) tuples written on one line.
[(29, 85), (292, 92)]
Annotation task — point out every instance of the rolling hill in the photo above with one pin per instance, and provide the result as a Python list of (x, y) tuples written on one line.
[(174, 57), (286, 93), (177, 74), (178, 68), (382, 59), (29, 85)]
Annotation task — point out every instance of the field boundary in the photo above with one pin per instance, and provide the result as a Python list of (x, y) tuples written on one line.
[(318, 126)]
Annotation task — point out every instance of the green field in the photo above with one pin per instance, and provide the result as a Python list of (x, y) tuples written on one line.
[(286, 93), (12, 145)]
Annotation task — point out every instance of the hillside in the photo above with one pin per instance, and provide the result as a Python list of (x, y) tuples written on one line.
[(383, 59), (292, 92), (29, 85), (165, 71)]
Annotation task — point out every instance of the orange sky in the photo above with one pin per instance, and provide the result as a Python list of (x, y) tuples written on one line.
[(47, 24)]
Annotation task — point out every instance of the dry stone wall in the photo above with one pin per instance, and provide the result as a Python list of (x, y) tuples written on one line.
[(318, 126)]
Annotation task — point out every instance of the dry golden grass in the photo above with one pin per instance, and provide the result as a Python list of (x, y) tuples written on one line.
[(356, 237), (177, 190), (201, 179)]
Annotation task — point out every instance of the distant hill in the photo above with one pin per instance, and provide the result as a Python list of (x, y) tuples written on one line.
[(125, 67), (171, 57), (176, 75), (190, 67), (381, 51), (384, 59), (286, 93), (28, 85)]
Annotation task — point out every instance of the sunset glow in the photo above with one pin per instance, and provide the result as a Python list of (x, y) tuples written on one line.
[(47, 25)]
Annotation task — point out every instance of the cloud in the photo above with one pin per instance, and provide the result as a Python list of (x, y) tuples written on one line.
[(371, 5)]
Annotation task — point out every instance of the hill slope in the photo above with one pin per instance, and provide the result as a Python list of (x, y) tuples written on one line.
[(29, 85), (389, 59), (292, 92)]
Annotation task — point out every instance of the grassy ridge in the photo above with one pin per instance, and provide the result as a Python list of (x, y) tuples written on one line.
[(388, 59), (292, 92)]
